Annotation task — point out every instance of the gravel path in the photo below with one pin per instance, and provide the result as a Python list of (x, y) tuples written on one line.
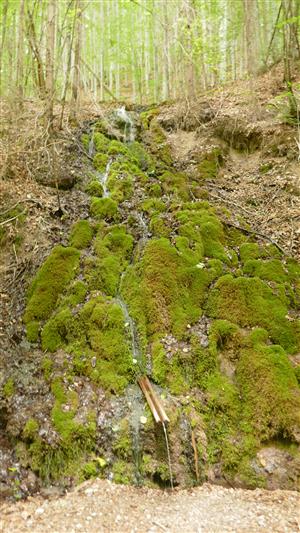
[(100, 506)]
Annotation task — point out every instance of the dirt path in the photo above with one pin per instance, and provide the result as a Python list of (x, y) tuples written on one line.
[(100, 506)]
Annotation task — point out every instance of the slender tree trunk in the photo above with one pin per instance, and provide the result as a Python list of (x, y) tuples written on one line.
[(4, 20), (77, 61), (50, 51)]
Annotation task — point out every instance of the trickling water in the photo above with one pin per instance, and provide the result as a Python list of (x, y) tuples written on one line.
[(91, 145), (129, 129), (168, 453), (103, 177), (136, 352)]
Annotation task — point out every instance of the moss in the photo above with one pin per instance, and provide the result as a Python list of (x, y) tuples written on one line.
[(114, 250), (160, 226), (50, 281), (297, 373), (32, 331), (123, 472), (8, 389), (224, 335), (154, 190), (30, 430), (147, 116), (159, 363), (141, 156), (123, 445), (101, 142), (47, 366), (269, 270), (153, 205), (97, 332), (175, 183), (204, 233), (85, 139), (104, 208), (171, 290), (94, 188), (100, 162), (76, 295), (90, 470), (56, 330), (270, 392), (210, 164), (117, 148), (120, 185), (249, 250), (81, 234), (250, 302)]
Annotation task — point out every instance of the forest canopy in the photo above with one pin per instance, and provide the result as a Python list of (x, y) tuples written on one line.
[(139, 50)]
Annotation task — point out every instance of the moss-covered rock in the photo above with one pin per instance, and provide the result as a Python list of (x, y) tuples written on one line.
[(81, 234), (104, 208), (100, 162), (210, 163), (250, 302), (101, 142), (94, 188), (49, 283)]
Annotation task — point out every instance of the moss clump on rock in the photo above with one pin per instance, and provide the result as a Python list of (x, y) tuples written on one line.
[(250, 302), (117, 148), (174, 183), (114, 249), (141, 156), (210, 163), (269, 270), (75, 442), (49, 283), (101, 142), (94, 188), (104, 209), (100, 162), (269, 389), (81, 234)]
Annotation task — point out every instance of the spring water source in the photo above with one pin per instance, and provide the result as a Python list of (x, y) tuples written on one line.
[(135, 397), (129, 127)]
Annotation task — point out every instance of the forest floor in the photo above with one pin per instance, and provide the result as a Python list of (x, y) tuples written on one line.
[(100, 506)]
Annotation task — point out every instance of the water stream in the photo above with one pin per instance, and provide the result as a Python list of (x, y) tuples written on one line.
[(169, 455), (135, 396), (129, 128)]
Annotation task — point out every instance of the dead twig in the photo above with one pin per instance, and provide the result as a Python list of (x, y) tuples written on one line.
[(12, 218), (253, 232)]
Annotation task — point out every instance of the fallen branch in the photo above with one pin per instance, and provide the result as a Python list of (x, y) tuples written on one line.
[(253, 232), (11, 219)]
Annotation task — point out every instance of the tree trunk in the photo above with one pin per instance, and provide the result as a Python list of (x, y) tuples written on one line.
[(49, 70)]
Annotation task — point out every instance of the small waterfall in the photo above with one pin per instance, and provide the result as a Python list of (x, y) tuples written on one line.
[(104, 178), (129, 128), (136, 352), (169, 455), (91, 151)]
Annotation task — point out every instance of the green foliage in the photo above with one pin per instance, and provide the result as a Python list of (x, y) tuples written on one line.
[(50, 281), (141, 156), (8, 389), (268, 270), (114, 249), (210, 164), (101, 142), (94, 188), (270, 391), (30, 429), (250, 302), (56, 330), (81, 234), (117, 148), (174, 183), (85, 139), (100, 162), (32, 331), (104, 208)]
